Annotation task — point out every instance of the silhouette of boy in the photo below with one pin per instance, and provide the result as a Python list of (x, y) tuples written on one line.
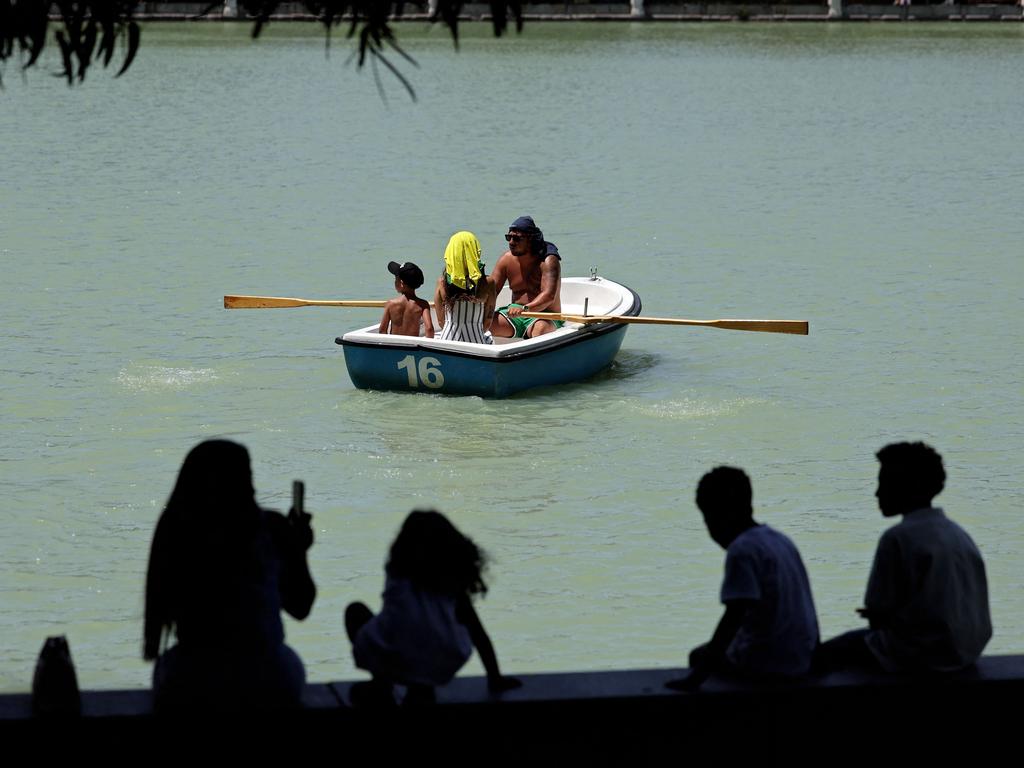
[(769, 629), (404, 313), (927, 595)]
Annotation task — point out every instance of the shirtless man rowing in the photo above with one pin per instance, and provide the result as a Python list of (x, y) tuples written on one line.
[(532, 268)]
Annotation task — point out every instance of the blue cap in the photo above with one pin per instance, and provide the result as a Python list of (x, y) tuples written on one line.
[(524, 224)]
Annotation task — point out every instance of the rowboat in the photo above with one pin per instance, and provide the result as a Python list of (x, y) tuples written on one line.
[(572, 353)]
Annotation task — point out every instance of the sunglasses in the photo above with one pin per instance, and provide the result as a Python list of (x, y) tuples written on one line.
[(514, 237)]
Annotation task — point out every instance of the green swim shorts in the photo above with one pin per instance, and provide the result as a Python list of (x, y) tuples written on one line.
[(522, 324)]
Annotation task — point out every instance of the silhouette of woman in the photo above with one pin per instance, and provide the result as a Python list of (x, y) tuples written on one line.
[(220, 571)]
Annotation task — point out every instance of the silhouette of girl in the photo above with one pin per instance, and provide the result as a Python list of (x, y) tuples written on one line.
[(220, 571), (427, 627)]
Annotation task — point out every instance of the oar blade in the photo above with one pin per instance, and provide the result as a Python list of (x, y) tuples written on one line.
[(261, 302), (798, 327)]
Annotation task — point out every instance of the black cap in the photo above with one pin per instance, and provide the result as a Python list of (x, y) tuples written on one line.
[(407, 272)]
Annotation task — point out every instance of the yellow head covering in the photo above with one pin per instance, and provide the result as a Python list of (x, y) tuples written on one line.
[(462, 261)]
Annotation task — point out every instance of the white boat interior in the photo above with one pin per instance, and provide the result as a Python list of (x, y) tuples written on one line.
[(580, 295)]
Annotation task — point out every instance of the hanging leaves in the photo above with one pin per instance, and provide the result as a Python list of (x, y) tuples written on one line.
[(87, 32), (81, 30)]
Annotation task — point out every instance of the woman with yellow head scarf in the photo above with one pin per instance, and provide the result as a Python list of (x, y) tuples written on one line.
[(464, 301)]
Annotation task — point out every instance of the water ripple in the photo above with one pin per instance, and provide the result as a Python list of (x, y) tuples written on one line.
[(157, 378), (691, 408)]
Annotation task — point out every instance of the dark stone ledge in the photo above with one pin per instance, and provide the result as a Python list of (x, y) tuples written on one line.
[(610, 718)]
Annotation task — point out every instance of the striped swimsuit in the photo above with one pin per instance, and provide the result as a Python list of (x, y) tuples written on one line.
[(463, 321)]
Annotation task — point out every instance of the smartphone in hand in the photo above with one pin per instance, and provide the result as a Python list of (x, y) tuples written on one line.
[(299, 518)]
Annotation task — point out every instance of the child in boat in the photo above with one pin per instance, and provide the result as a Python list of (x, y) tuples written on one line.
[(464, 298), (404, 314), (427, 627)]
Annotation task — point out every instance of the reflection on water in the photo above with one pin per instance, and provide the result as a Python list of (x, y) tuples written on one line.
[(154, 378), (629, 363), (697, 408)]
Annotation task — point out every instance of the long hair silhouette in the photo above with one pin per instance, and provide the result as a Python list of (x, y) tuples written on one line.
[(431, 552), (203, 546)]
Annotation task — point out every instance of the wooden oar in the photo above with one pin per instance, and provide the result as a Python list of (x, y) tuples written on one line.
[(800, 327), (274, 302), (765, 326)]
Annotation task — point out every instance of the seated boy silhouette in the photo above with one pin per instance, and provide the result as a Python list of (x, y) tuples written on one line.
[(927, 595), (769, 630)]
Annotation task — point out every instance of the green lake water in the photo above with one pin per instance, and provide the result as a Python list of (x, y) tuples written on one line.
[(866, 178)]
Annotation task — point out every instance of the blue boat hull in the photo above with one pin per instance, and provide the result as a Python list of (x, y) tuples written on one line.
[(413, 367)]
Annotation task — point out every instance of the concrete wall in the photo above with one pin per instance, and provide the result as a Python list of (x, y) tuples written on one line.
[(593, 718)]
